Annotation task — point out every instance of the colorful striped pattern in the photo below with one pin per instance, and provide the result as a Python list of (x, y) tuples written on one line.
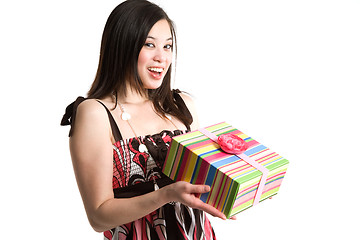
[(195, 158)]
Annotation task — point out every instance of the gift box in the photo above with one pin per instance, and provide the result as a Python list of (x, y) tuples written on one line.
[(237, 180)]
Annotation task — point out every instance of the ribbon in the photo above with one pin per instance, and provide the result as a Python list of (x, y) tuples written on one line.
[(250, 161)]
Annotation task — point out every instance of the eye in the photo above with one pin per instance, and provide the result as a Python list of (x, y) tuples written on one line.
[(168, 46), (150, 45)]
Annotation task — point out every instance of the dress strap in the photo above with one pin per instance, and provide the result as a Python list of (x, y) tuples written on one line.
[(70, 115), (182, 106), (114, 127)]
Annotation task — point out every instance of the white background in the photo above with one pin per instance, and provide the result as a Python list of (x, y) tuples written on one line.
[(284, 72)]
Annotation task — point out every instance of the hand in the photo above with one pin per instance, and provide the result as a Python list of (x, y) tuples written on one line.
[(185, 192)]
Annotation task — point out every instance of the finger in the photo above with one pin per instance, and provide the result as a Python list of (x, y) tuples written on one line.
[(200, 189), (233, 218), (209, 209)]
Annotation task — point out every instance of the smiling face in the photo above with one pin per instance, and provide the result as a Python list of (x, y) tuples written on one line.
[(155, 56)]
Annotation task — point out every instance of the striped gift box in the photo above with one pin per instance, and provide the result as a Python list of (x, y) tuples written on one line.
[(195, 158)]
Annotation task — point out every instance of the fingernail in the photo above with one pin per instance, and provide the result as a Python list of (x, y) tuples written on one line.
[(207, 188)]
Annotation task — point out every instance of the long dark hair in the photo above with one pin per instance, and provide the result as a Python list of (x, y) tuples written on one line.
[(124, 35)]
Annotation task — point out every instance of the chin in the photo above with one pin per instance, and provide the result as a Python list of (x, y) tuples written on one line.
[(152, 86)]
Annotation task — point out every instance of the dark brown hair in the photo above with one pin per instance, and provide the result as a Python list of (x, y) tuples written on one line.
[(124, 35)]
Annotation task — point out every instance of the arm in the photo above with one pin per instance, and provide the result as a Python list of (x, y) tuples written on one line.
[(91, 152)]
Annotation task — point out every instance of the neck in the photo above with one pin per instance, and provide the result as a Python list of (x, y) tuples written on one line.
[(133, 97)]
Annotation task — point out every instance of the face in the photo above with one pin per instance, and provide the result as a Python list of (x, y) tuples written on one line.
[(156, 55)]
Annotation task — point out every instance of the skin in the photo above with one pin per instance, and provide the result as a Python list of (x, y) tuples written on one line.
[(157, 53), (92, 140)]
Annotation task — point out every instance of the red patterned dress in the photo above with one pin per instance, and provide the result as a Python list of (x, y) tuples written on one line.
[(134, 174)]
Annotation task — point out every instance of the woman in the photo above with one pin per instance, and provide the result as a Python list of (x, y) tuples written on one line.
[(119, 136)]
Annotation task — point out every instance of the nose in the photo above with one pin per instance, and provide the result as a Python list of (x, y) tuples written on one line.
[(160, 55)]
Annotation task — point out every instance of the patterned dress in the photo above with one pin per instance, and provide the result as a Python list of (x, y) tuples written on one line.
[(135, 173)]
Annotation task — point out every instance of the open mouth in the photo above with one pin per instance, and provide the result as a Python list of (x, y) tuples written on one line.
[(155, 71)]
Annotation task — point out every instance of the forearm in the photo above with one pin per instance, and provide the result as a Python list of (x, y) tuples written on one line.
[(115, 212)]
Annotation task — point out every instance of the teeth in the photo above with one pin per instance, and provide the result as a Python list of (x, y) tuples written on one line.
[(154, 69)]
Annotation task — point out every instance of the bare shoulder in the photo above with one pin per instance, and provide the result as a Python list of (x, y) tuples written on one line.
[(187, 98), (190, 103), (90, 106), (91, 116)]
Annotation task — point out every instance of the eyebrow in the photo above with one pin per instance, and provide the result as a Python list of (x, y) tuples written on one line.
[(170, 38)]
